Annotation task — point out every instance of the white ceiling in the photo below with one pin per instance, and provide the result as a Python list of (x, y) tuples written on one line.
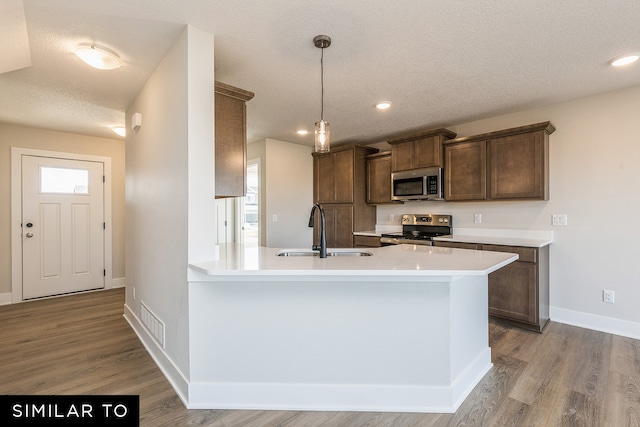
[(439, 62)]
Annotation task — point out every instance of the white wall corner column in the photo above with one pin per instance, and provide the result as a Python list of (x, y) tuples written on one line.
[(169, 195)]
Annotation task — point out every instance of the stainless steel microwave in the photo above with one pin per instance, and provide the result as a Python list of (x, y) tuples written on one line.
[(417, 184)]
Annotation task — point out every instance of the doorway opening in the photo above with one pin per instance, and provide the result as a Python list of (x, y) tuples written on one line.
[(251, 206)]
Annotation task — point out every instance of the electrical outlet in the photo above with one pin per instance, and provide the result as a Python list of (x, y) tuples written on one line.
[(392, 217), (608, 296), (275, 217), (134, 293), (557, 219), (477, 218)]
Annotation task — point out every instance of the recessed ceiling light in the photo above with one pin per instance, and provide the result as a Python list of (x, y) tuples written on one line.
[(383, 105), (302, 132), (98, 56), (120, 130), (624, 60)]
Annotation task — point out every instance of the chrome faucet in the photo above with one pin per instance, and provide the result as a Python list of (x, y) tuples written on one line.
[(323, 233)]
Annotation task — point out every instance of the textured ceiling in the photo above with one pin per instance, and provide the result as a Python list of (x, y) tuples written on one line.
[(439, 62)]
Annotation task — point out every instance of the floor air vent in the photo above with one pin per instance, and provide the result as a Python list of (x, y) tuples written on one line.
[(153, 324)]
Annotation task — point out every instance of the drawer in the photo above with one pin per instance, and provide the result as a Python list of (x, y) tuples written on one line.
[(526, 254), (366, 241), (459, 245)]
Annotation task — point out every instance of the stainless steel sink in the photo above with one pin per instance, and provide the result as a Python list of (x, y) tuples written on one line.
[(330, 252)]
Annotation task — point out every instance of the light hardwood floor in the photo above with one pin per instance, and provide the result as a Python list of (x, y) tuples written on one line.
[(81, 344)]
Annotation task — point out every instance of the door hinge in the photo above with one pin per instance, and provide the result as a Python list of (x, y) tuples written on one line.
[(103, 178), (104, 225), (104, 273)]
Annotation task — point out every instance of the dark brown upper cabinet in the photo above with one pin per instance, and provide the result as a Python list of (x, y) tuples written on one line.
[(230, 140), (379, 178), (510, 164), (339, 183), (465, 173), (423, 150)]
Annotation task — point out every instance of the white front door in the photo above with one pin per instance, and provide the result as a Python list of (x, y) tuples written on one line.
[(62, 226)]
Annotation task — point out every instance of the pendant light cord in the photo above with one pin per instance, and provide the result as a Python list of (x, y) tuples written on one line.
[(322, 85)]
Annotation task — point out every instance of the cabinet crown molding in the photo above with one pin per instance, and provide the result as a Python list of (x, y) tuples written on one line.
[(335, 149), (379, 154), (445, 133), (232, 91), (548, 127)]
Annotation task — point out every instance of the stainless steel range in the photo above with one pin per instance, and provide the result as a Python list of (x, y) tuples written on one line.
[(419, 230)]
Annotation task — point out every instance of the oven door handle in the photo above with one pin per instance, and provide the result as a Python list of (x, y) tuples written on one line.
[(386, 241), (389, 241)]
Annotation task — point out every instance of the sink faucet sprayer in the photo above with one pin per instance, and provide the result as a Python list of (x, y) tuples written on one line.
[(323, 234)]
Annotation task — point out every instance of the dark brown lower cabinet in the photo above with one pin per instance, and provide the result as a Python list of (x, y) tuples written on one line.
[(366, 242), (459, 245), (518, 292), (511, 294)]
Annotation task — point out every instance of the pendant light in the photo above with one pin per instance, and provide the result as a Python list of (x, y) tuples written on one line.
[(322, 133)]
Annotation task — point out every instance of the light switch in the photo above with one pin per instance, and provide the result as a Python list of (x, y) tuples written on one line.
[(558, 219)]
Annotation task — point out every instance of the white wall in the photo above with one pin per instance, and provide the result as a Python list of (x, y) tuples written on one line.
[(595, 180), (286, 185), (170, 186)]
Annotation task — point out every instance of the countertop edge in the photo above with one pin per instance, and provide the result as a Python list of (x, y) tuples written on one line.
[(396, 263), (534, 238), (209, 269), (396, 274), (490, 240)]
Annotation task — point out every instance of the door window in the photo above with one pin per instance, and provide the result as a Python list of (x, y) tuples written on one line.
[(63, 180)]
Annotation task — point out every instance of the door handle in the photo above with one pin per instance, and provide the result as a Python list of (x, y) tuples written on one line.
[(29, 235)]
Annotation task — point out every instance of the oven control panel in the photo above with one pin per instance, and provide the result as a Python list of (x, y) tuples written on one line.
[(426, 219)]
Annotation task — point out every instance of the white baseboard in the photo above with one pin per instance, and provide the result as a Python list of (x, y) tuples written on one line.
[(175, 377), (119, 282), (341, 397), (5, 299), (598, 323)]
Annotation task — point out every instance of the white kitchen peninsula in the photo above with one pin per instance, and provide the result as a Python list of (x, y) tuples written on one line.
[(405, 329)]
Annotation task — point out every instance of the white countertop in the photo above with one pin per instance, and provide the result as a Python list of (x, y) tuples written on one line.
[(397, 261), (527, 238)]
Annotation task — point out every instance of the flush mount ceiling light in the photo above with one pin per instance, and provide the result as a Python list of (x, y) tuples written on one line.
[(383, 105), (322, 133), (98, 56), (120, 130), (624, 59), (302, 132)]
